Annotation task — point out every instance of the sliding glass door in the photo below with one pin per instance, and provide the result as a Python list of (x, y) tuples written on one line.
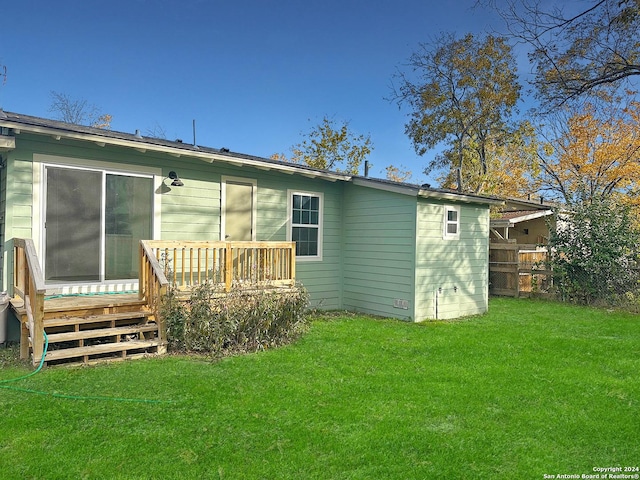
[(94, 220), (128, 220)]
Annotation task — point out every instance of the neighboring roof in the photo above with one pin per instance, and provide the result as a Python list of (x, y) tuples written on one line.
[(509, 219), (18, 123), (519, 204)]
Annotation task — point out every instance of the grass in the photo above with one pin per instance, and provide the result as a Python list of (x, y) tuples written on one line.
[(532, 388)]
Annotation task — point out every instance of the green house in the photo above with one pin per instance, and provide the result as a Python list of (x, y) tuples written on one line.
[(87, 196)]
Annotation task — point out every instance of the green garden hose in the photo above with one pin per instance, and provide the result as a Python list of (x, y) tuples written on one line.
[(46, 346), (60, 395)]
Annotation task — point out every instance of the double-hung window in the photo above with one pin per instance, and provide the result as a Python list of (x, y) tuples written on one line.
[(305, 214), (451, 223)]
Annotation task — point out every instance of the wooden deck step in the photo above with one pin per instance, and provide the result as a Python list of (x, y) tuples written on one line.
[(103, 360), (101, 332), (70, 321), (89, 351)]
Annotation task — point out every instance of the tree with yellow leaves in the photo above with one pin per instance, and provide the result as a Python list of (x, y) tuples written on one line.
[(398, 174), (462, 94), (596, 155), (592, 165), (511, 165)]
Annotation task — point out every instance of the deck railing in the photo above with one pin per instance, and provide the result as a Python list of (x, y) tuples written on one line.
[(189, 263), (28, 285), (152, 286)]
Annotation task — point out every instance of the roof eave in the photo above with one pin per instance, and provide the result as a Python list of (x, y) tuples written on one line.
[(459, 197), (416, 191), (501, 222), (178, 151), (386, 186)]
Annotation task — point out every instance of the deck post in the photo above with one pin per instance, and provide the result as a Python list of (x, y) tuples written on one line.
[(142, 272), (228, 267), (162, 324), (24, 341), (292, 262), (37, 339)]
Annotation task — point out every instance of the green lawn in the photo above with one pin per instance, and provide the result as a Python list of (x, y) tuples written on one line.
[(532, 388)]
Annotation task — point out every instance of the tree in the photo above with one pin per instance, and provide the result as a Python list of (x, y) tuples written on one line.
[(588, 52), (398, 174), (464, 96), (328, 146), (512, 165), (157, 131), (78, 112), (594, 154), (594, 252)]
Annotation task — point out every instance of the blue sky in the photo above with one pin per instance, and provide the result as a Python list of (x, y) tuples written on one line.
[(253, 74)]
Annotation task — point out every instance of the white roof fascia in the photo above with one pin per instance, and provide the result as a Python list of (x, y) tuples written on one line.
[(500, 223), (102, 140), (523, 218), (531, 216), (141, 145), (332, 177), (415, 191), (526, 204), (459, 197), (387, 187)]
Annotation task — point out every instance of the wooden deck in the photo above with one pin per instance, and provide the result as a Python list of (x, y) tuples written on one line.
[(94, 327), (62, 303)]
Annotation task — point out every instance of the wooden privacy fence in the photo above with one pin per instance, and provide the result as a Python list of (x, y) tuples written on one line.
[(189, 263), (517, 270)]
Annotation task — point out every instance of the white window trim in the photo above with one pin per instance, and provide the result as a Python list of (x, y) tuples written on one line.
[(290, 194), (445, 221), (41, 161)]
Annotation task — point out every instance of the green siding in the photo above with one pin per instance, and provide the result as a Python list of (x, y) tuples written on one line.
[(382, 251), (451, 275), (3, 210), (320, 278), (191, 212), (379, 248)]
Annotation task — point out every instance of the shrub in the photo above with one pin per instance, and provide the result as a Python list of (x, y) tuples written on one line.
[(242, 320), (594, 254)]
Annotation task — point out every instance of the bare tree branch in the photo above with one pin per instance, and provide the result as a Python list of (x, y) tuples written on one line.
[(589, 53)]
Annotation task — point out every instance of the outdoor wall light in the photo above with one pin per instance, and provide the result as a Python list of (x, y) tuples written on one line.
[(176, 181)]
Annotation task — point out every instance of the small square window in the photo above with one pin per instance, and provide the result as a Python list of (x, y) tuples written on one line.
[(451, 229)]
